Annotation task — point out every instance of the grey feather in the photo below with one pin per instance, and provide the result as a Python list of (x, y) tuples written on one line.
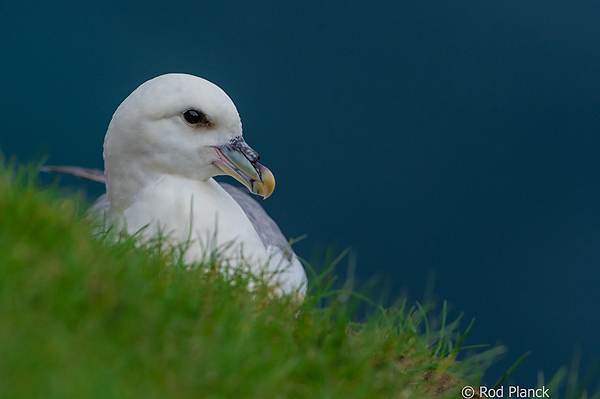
[(268, 231), (100, 208), (84, 173)]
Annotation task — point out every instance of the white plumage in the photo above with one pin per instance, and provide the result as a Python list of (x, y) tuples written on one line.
[(164, 144)]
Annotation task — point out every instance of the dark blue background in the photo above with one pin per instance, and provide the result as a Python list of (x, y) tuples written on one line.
[(459, 137)]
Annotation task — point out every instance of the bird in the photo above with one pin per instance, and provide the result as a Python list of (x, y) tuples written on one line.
[(164, 144)]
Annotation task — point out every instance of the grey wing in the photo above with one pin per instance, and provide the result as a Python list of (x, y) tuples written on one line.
[(267, 229), (84, 173), (100, 208)]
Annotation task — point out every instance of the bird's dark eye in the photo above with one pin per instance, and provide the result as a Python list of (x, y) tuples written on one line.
[(195, 117)]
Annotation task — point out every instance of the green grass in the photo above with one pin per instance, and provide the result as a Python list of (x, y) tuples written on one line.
[(91, 318)]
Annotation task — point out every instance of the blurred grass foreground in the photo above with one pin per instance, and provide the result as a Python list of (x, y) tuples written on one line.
[(87, 317)]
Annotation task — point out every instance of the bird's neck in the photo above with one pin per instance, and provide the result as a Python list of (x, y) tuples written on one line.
[(125, 182)]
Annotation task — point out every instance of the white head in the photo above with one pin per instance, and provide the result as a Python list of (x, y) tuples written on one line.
[(149, 129), (180, 125)]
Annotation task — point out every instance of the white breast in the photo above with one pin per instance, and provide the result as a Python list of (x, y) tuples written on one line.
[(198, 211)]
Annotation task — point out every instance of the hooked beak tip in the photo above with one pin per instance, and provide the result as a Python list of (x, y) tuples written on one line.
[(266, 186)]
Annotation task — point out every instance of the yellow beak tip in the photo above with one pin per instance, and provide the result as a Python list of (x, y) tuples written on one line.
[(268, 182)]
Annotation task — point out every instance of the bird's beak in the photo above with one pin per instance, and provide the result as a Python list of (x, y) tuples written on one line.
[(240, 161)]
